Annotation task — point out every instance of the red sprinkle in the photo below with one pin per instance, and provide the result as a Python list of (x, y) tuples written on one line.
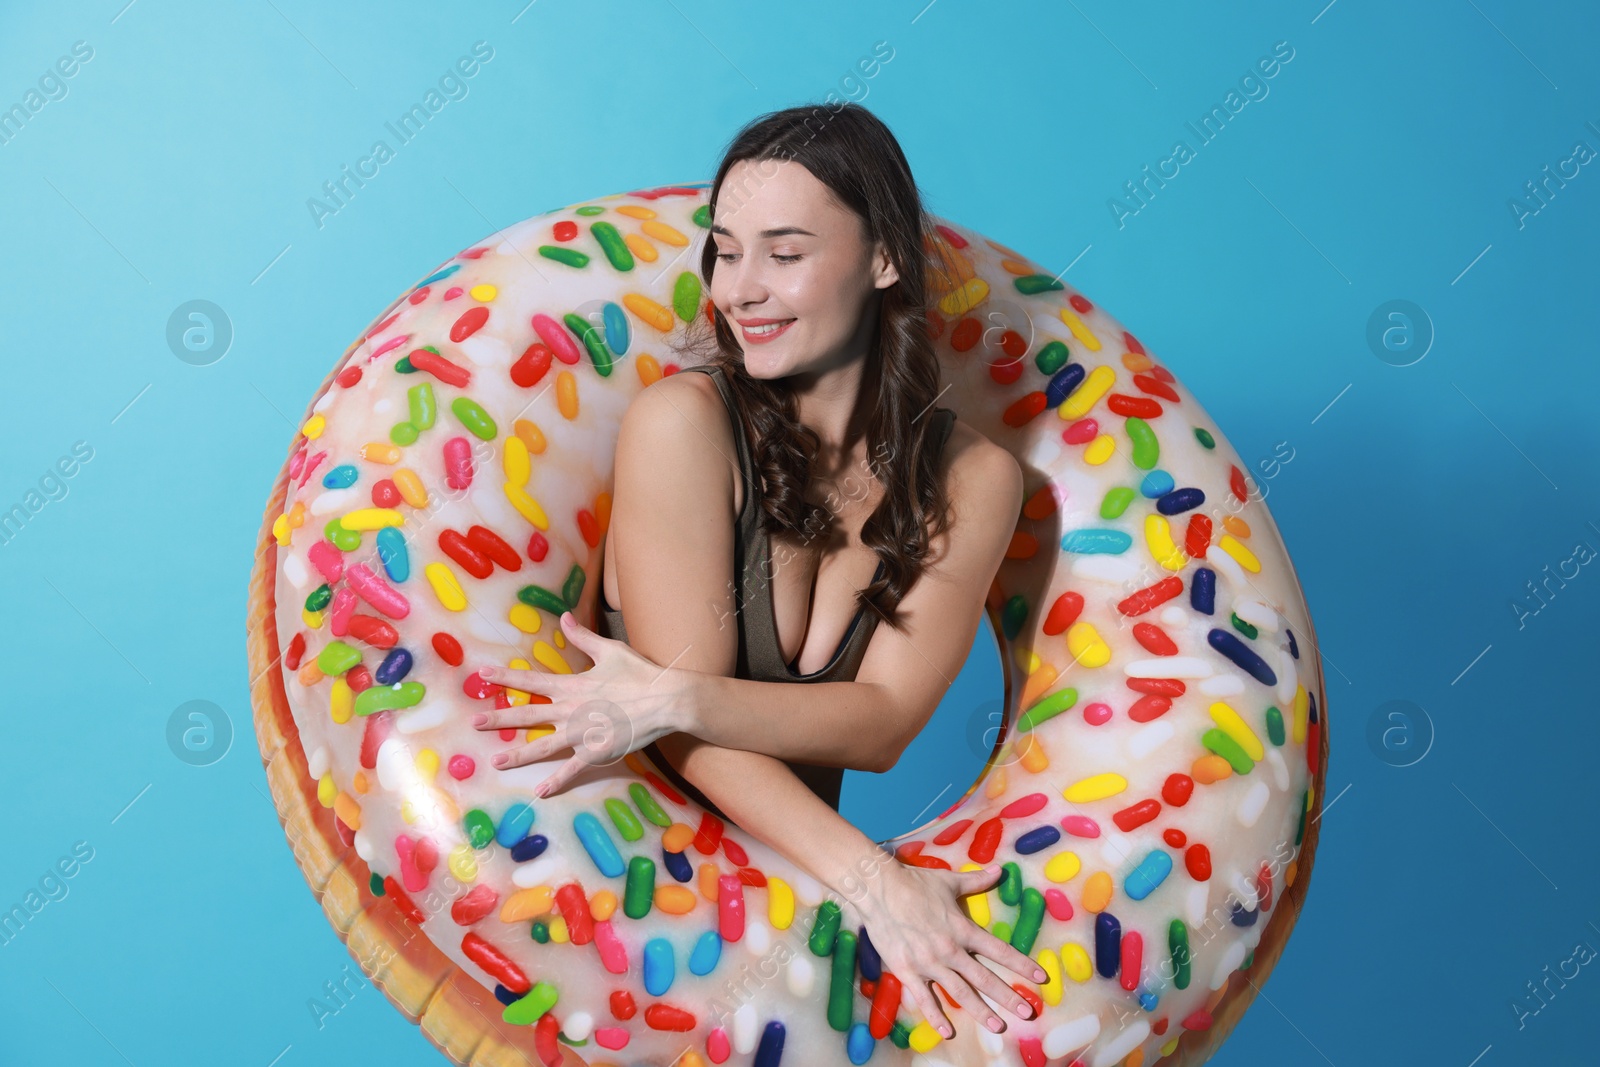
[(1063, 613), (1174, 837), (950, 833), (538, 546), (709, 835), (1197, 860), (1156, 387), (985, 841), (349, 376), (1081, 432), (665, 1017), (1136, 815), (1151, 597), (474, 905), (494, 963), (456, 547), (1022, 807), (1164, 687), (407, 906), (1137, 407), (1154, 639), (1177, 789), (470, 322), (574, 907), (532, 366), (385, 494), (448, 648), (491, 544), (373, 631), (1149, 708), (565, 230), (441, 368), (297, 648), (622, 1005), (1025, 409), (1132, 959)]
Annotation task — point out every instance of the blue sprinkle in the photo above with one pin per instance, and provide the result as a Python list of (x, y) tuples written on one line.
[(1314, 716), (1062, 384), (858, 1045), (1180, 500), (707, 950), (341, 477), (602, 850), (1038, 838), (1148, 1001), (1158, 483), (392, 553), (1294, 647), (437, 276), (659, 970), (1203, 591), (618, 335), (514, 824), (867, 957), (1241, 917), (769, 1053), (1243, 656), (529, 848), (677, 865), (1151, 872), (1107, 944), (395, 666), (1090, 541), (505, 996)]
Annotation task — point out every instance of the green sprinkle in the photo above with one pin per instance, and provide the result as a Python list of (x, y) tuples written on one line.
[(474, 418), (612, 244), (375, 884), (1146, 449), (686, 296), (480, 828), (1178, 947), (1030, 284), (570, 256), (841, 987), (647, 805), (540, 933), (1226, 747), (526, 1011), (1243, 627), (825, 928), (1275, 725), (1051, 358), (1204, 437), (1010, 886), (591, 209), (344, 540), (388, 697), (319, 598), (423, 406), (702, 219), (623, 819), (1012, 616), (403, 366), (1047, 708), (337, 657), (572, 588), (593, 340), (1029, 919), (537, 596), (640, 888), (403, 434), (1115, 502)]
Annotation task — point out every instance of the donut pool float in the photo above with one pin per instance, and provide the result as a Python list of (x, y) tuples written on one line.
[(1152, 793)]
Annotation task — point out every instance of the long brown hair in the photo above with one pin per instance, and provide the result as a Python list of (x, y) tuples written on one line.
[(852, 152)]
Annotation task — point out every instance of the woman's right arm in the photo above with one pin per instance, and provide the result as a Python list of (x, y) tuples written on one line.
[(672, 521)]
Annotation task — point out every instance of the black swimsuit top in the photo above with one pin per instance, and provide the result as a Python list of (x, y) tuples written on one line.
[(760, 655)]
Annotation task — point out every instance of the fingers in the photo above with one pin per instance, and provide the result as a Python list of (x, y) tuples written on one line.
[(535, 751), (961, 990), (545, 683), (921, 994), (559, 780), (991, 985), (1006, 955), (516, 717)]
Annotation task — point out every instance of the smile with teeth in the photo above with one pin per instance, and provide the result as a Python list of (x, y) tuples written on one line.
[(760, 335), (770, 327)]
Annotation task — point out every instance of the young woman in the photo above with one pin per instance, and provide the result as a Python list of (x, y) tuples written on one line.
[(752, 502)]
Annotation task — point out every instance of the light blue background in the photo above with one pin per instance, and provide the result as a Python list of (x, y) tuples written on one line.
[(1419, 502)]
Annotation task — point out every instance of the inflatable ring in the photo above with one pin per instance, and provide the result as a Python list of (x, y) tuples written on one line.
[(1152, 792)]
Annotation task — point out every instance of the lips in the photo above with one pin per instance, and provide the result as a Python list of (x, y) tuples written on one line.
[(760, 334)]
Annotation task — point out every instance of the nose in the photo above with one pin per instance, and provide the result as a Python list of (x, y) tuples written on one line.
[(744, 281)]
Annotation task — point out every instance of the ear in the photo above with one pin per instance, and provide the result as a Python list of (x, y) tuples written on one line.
[(884, 273)]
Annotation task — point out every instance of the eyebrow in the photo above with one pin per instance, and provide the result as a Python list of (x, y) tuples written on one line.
[(781, 231)]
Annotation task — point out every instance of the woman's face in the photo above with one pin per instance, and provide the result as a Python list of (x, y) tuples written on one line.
[(795, 277)]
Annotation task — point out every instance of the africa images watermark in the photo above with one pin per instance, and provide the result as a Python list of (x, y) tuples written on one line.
[(452, 85), (1140, 192)]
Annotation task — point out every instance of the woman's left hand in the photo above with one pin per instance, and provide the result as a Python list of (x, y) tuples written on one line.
[(618, 706)]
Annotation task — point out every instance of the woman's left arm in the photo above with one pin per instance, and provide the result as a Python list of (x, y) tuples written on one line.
[(866, 724)]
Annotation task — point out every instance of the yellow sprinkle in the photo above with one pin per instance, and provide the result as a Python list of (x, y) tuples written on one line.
[(667, 235), (1100, 449), (484, 292), (349, 812), (559, 638), (1075, 962), (410, 486), (528, 506), (995, 784), (341, 701), (962, 299), (1084, 335), (641, 247), (1170, 1047), (550, 658), (516, 696), (525, 618), (567, 395), (527, 904), (312, 619), (977, 903), (531, 435), (314, 426), (651, 312), (636, 211), (428, 763), (1096, 787), (1236, 728), (464, 863), (1246, 558), (1063, 867), (780, 903), (1097, 892), (445, 586), (1086, 646), (649, 368), (602, 905), (1026, 659), (280, 529), (1040, 681), (1051, 989), (297, 515), (558, 930), (359, 783), (326, 790), (924, 1037), (371, 519), (381, 452), (708, 881), (514, 459), (1158, 536), (1302, 714), (1095, 386)]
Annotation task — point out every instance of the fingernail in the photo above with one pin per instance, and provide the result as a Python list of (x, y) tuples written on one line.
[(995, 1024), (485, 672), (480, 720), (498, 761)]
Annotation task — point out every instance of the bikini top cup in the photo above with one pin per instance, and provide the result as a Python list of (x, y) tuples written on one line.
[(760, 656)]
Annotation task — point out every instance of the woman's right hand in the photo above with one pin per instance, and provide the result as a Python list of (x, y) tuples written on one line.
[(923, 934)]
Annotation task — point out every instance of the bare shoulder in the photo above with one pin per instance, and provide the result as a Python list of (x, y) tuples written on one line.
[(983, 476), (677, 435)]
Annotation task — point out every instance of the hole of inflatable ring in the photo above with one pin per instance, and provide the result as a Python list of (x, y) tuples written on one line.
[(945, 761)]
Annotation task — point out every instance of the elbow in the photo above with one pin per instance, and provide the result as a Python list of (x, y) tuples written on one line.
[(886, 757)]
